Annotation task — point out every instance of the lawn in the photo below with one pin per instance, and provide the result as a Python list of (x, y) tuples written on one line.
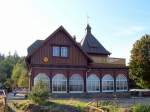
[(79, 105), (73, 105), (61, 105)]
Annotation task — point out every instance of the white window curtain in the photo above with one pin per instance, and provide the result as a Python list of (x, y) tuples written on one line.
[(42, 77), (64, 51), (93, 83), (76, 83), (56, 51), (107, 83), (121, 83), (59, 84)]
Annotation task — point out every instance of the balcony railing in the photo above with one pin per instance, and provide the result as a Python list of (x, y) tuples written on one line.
[(108, 60)]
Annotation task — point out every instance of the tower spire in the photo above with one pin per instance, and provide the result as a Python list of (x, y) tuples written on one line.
[(88, 28)]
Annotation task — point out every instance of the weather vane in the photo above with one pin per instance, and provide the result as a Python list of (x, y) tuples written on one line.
[(88, 19)]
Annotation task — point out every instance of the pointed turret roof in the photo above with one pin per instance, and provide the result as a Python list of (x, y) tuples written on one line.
[(91, 45)]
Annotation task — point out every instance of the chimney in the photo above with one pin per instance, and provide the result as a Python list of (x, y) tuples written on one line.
[(74, 38)]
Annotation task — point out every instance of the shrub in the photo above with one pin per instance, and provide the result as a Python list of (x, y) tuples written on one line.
[(140, 108), (109, 106), (39, 93)]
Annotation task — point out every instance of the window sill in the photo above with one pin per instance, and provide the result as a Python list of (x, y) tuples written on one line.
[(60, 57)]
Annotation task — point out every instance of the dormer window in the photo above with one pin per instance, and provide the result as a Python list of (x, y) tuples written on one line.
[(60, 51)]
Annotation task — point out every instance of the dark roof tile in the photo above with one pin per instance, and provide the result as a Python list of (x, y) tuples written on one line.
[(91, 45), (34, 46)]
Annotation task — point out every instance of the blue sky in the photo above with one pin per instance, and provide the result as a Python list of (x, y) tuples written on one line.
[(117, 24)]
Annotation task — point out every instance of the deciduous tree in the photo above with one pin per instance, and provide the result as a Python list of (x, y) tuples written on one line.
[(139, 66)]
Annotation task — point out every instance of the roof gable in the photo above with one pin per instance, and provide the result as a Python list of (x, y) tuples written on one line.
[(39, 43)]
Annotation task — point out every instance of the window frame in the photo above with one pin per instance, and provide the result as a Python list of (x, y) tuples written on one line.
[(60, 51), (62, 80), (123, 81), (93, 81), (42, 77), (108, 83), (75, 83), (55, 51)]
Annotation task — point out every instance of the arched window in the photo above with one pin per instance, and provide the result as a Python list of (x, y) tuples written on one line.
[(93, 83), (59, 84), (121, 83), (107, 83), (42, 77), (76, 83)]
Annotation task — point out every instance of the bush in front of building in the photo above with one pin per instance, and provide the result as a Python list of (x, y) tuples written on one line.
[(39, 93), (140, 108)]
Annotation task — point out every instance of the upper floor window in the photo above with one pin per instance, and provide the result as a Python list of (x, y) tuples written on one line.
[(64, 52), (60, 51), (56, 51)]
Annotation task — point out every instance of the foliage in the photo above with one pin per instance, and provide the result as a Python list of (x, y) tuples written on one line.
[(3, 77), (19, 74), (139, 66), (16, 72), (109, 106), (72, 103), (22, 105), (7, 63), (9, 84), (13, 71), (140, 108), (39, 93), (23, 80)]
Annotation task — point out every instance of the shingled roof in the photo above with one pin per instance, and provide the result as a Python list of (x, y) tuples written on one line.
[(91, 45), (34, 46)]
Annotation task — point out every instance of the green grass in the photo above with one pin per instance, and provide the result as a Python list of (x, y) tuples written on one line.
[(67, 105), (140, 108), (79, 105), (107, 106)]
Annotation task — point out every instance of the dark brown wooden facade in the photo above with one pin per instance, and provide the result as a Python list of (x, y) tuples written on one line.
[(77, 62)]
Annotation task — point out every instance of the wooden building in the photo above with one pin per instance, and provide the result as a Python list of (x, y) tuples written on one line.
[(68, 66)]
